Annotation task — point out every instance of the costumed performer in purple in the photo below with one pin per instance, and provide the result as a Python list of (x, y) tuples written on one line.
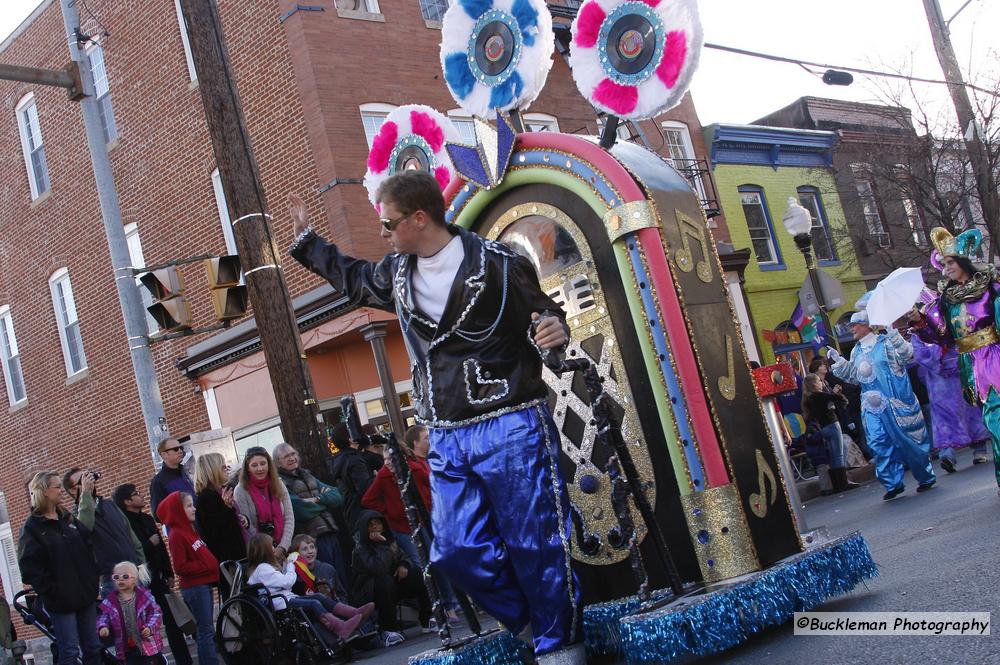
[(965, 316), (955, 423), (894, 423), (475, 323)]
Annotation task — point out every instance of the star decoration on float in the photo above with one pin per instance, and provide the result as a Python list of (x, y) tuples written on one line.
[(486, 162)]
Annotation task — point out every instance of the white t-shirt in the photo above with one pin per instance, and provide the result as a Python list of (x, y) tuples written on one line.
[(434, 276)]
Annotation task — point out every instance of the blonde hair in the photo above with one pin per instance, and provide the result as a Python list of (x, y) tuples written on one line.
[(210, 472), (37, 488), (141, 575)]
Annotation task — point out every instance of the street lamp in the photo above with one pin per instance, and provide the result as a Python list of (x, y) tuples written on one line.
[(798, 222)]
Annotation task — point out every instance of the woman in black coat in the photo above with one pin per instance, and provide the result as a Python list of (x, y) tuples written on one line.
[(57, 560), (219, 524)]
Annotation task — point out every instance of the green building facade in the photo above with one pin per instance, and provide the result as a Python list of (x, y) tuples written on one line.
[(756, 170)]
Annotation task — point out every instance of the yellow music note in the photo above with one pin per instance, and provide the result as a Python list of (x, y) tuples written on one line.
[(727, 383), (758, 500), (685, 260)]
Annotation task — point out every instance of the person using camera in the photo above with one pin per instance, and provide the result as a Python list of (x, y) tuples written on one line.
[(56, 558), (263, 499), (112, 535)]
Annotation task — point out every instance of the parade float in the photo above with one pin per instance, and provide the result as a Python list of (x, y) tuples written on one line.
[(619, 239)]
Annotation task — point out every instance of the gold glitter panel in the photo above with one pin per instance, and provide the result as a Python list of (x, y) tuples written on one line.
[(630, 217), (719, 533)]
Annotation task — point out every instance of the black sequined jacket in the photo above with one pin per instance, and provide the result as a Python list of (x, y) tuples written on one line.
[(480, 360)]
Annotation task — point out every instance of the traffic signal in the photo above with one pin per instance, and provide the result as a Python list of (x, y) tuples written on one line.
[(228, 296), (837, 77), (169, 309)]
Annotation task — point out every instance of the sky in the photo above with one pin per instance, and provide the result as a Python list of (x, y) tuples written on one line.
[(870, 34)]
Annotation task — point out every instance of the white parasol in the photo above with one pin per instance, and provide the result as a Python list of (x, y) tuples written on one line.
[(894, 296)]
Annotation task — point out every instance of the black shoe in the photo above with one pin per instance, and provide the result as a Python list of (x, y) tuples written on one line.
[(949, 465), (893, 493), (928, 486)]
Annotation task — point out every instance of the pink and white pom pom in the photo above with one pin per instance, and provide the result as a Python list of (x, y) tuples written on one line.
[(662, 81), (416, 131)]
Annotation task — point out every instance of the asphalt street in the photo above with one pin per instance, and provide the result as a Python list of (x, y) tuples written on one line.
[(936, 551)]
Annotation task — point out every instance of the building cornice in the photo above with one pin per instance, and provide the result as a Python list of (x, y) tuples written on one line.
[(771, 146)]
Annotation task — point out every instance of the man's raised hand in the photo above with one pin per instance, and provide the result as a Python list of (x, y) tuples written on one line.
[(297, 211)]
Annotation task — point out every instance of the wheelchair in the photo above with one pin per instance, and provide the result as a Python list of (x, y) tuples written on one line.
[(251, 631)]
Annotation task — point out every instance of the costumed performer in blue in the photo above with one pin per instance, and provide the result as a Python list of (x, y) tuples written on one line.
[(894, 423), (966, 315), (475, 323)]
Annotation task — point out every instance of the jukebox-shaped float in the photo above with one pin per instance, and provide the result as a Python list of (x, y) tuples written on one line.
[(619, 239)]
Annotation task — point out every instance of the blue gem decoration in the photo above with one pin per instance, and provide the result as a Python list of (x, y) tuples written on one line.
[(647, 12)]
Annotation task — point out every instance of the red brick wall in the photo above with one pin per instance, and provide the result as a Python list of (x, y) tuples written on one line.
[(301, 84)]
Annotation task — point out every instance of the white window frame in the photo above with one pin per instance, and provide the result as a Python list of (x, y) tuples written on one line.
[(447, 4), (772, 241), (820, 222), (550, 122), (689, 153), (375, 110), (188, 58), (35, 181), (137, 260), (61, 277), (10, 357), (463, 122), (869, 204), (223, 207), (102, 89)]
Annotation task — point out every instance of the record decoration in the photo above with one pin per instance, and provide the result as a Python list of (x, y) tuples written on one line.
[(496, 54), (412, 137), (635, 59)]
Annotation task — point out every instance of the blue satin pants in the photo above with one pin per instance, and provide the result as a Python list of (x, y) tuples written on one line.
[(502, 524), (892, 446)]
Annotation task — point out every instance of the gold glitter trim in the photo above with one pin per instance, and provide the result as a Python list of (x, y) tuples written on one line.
[(684, 258), (629, 218), (720, 533)]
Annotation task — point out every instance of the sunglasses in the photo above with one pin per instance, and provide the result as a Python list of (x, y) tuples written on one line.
[(391, 224), (122, 576), (173, 450)]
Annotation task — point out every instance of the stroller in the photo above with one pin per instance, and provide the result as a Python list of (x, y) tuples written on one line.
[(29, 606)]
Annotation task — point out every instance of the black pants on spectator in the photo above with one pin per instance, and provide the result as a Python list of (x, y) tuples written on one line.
[(175, 637), (389, 591)]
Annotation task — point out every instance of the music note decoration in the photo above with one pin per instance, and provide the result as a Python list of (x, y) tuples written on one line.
[(758, 501), (689, 228), (727, 383)]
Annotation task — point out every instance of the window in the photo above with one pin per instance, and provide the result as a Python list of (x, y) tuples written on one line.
[(463, 123), (540, 122), (369, 6), (103, 99), (677, 143), (866, 193), (433, 10), (372, 117), (69, 325), (822, 239), (223, 207), (914, 221), (11, 358), (765, 247), (31, 145), (138, 261), (192, 72)]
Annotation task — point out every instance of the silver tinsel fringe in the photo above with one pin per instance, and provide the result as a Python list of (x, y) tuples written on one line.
[(498, 649), (719, 620)]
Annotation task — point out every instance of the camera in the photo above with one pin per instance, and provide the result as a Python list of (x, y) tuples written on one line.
[(96, 474), (266, 528)]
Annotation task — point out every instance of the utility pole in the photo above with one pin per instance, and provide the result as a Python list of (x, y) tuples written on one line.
[(133, 311), (301, 422), (986, 181)]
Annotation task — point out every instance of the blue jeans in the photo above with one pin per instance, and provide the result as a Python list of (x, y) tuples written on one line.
[(199, 601), (74, 631), (834, 441), (328, 551)]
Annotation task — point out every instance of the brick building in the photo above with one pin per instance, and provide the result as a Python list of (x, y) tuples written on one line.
[(315, 82)]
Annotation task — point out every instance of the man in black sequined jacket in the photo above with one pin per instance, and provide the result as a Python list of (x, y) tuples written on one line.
[(475, 323)]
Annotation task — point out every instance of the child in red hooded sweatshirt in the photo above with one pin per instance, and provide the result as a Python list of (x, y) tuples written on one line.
[(194, 565)]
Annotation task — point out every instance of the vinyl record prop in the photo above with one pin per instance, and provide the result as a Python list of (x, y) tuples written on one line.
[(496, 54), (635, 59), (411, 137), (635, 269)]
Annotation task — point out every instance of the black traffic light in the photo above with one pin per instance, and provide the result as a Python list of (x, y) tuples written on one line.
[(837, 77), (229, 296), (169, 309)]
